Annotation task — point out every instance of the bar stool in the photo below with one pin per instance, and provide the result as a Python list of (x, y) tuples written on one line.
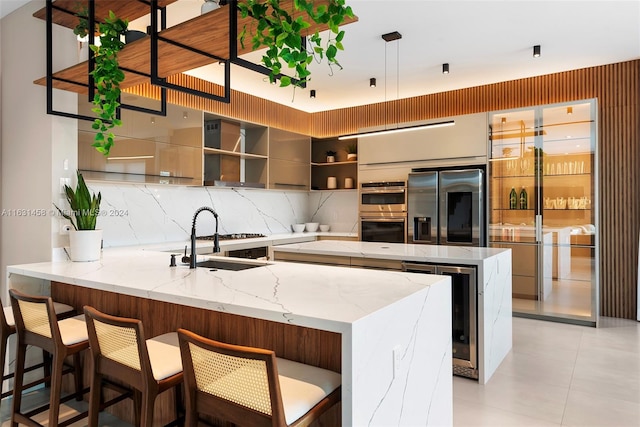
[(251, 386), (119, 350), (37, 325), (8, 328)]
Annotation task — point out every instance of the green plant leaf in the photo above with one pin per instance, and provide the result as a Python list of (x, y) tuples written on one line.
[(285, 81)]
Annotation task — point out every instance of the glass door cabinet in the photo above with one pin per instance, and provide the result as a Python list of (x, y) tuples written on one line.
[(543, 206)]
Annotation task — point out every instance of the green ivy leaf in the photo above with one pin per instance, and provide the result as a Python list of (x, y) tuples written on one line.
[(285, 81), (331, 52)]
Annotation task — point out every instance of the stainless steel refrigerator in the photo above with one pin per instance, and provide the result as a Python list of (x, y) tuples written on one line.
[(446, 207)]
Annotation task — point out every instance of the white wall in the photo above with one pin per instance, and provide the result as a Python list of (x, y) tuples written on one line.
[(31, 139)]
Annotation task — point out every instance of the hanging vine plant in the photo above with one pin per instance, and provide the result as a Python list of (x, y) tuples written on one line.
[(107, 77), (276, 29)]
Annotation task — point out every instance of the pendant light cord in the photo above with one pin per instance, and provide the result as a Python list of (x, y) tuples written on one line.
[(397, 83), (386, 107)]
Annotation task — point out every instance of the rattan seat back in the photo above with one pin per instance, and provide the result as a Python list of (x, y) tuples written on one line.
[(242, 385), (119, 350)]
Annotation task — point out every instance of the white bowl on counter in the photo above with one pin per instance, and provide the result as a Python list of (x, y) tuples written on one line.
[(324, 228), (311, 226), (297, 228)]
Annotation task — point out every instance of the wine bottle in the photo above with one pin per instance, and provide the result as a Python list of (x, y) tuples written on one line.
[(523, 198), (513, 199)]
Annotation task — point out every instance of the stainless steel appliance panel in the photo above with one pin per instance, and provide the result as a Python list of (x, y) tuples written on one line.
[(383, 228), (464, 313), (461, 207), (380, 197), (422, 207)]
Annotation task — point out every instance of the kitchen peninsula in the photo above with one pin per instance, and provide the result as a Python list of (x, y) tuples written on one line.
[(387, 332), (493, 269)]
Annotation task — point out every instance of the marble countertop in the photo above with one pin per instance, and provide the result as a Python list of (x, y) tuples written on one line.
[(322, 297), (394, 251)]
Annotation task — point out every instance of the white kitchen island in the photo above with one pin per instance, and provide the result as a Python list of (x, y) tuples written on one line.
[(393, 329), (494, 314)]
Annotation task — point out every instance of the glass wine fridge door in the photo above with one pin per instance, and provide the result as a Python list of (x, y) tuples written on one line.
[(464, 312), (542, 199), (568, 211)]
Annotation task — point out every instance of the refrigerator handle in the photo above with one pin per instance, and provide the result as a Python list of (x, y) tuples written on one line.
[(538, 228)]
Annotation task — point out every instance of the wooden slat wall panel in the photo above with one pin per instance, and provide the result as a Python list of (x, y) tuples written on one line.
[(242, 106), (616, 88)]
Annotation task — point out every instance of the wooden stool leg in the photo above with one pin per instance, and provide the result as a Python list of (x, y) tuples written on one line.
[(148, 400), (46, 359), (95, 399), (77, 375), (137, 405), (3, 359), (56, 387), (17, 382), (178, 400)]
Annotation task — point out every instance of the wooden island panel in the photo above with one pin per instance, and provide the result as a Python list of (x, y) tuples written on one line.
[(306, 345)]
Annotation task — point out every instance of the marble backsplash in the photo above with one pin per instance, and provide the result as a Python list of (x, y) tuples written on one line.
[(144, 214)]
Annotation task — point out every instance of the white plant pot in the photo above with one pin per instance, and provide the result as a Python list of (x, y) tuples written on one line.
[(83, 51), (85, 245), (352, 157), (331, 159)]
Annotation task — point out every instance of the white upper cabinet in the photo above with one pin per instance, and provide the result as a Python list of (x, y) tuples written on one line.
[(466, 139)]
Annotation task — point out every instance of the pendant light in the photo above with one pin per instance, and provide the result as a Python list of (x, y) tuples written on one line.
[(390, 37)]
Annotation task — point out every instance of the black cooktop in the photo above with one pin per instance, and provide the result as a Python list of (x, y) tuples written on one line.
[(235, 236)]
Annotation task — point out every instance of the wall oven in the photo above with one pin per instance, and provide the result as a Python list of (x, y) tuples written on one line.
[(383, 197), (381, 227), (383, 211)]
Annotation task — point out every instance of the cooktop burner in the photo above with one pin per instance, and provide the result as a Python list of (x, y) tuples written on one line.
[(235, 236)]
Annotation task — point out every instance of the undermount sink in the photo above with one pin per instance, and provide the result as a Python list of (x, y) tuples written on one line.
[(215, 264)]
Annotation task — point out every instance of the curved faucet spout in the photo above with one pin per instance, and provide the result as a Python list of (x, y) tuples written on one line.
[(216, 242)]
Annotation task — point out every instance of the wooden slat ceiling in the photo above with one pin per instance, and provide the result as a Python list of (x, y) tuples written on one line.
[(208, 32)]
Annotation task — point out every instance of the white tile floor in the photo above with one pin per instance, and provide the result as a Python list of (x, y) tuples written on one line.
[(559, 374), (556, 374)]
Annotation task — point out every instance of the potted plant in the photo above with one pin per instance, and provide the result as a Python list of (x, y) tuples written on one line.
[(276, 29), (331, 156), (85, 242), (352, 151)]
